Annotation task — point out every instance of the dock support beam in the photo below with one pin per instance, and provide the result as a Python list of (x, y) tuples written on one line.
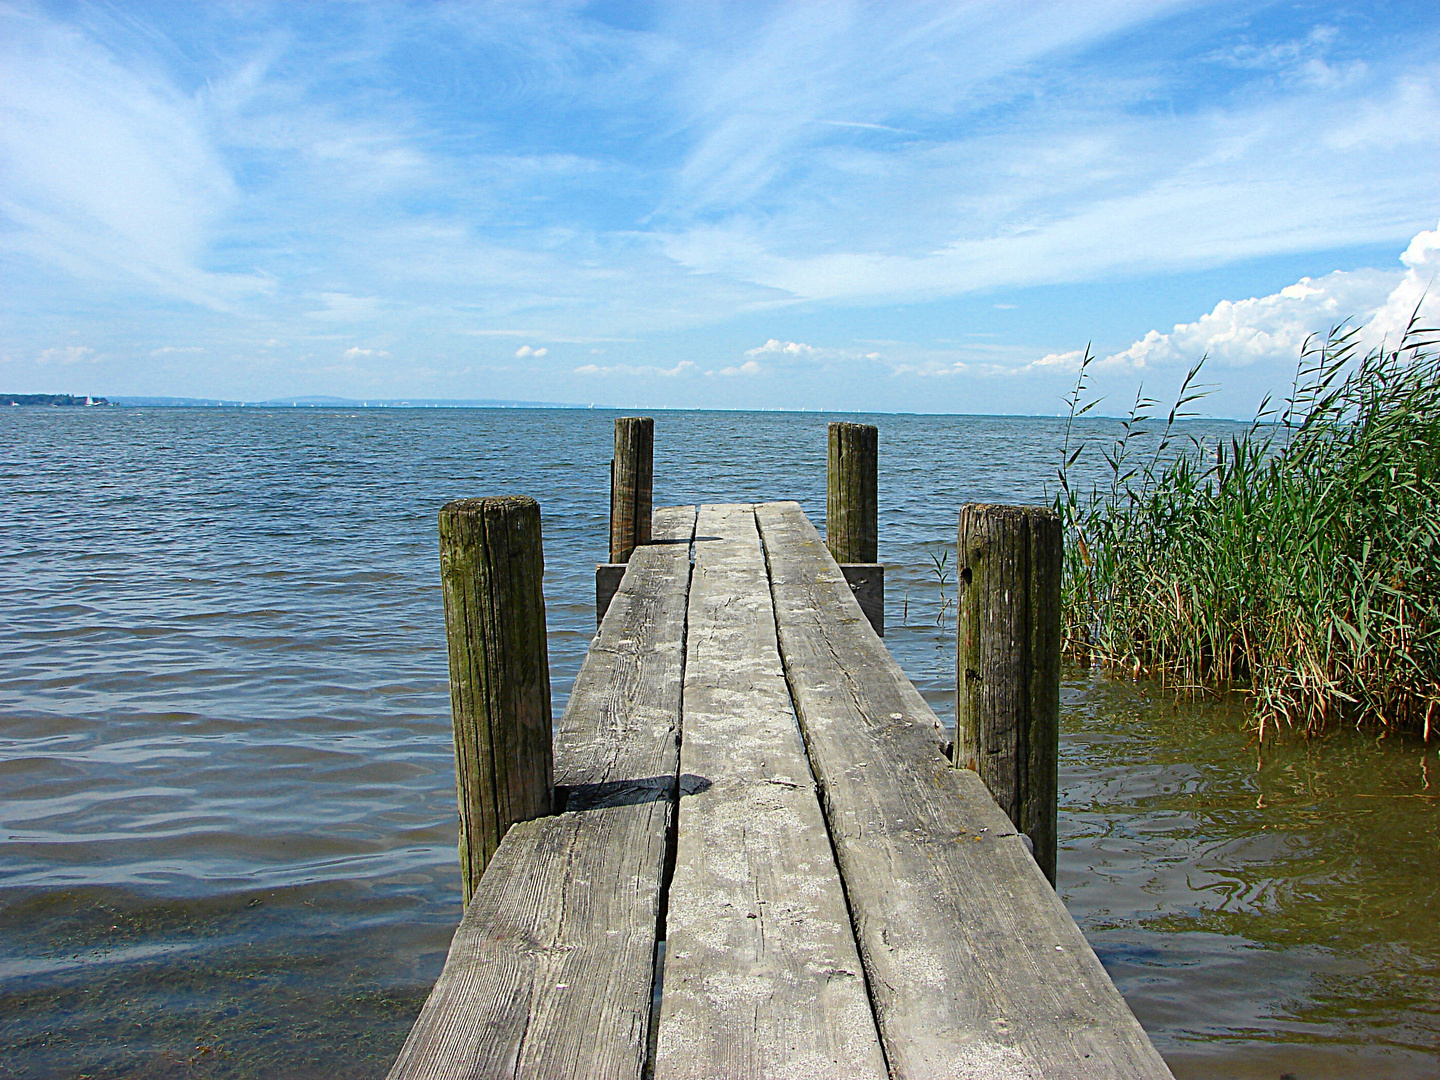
[(607, 583), (867, 582), (852, 529), (1007, 663), (491, 565)]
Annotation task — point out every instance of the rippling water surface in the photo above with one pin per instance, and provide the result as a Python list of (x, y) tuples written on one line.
[(227, 822)]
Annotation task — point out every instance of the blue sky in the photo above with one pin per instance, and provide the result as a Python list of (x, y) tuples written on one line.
[(888, 206)]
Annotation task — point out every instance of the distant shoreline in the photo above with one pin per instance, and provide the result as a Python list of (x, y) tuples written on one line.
[(54, 400), (344, 403), (128, 401)]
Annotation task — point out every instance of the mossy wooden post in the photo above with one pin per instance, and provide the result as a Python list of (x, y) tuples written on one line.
[(1007, 663), (851, 529), (631, 481), (491, 566)]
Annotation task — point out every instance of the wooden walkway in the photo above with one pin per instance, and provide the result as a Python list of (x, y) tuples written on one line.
[(746, 774)]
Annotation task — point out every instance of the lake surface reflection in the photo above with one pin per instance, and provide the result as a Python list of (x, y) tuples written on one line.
[(227, 824), (1265, 910)]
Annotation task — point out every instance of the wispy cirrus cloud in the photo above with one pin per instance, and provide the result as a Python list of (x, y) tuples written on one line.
[(1193, 191), (343, 308), (107, 170), (767, 197), (684, 367), (67, 354)]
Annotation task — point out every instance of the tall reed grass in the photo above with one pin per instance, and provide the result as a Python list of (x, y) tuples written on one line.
[(1298, 561)]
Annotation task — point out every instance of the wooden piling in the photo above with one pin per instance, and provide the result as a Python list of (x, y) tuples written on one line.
[(631, 481), (491, 565), (851, 528), (1007, 663)]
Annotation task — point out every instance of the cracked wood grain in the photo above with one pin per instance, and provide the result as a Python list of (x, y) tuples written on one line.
[(762, 978)]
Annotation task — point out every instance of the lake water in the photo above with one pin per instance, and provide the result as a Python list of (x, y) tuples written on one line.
[(227, 820)]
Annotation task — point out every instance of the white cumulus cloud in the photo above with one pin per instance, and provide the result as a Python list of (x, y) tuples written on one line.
[(776, 347), (526, 350), (1238, 333), (1273, 329)]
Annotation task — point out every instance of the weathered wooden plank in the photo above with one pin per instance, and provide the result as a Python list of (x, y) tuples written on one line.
[(551, 970), (632, 668), (974, 965), (762, 978)]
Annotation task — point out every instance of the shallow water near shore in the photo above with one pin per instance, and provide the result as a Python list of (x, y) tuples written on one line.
[(227, 818)]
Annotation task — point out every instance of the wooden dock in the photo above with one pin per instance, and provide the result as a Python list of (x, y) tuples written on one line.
[(744, 774)]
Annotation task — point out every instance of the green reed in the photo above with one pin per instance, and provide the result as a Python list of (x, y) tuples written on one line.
[(1298, 561)]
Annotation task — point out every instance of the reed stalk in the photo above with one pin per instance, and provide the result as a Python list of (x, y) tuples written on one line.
[(1297, 561)]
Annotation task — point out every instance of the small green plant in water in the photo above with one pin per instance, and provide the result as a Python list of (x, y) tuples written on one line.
[(1298, 560), (941, 569)]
